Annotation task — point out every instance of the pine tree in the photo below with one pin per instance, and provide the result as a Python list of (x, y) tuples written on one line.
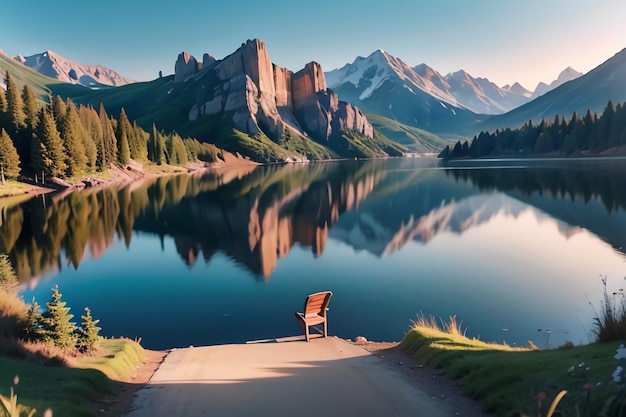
[(37, 152), (138, 144), (156, 147), (72, 132), (109, 143), (93, 140), (53, 152), (30, 109), (59, 108), (9, 159), (56, 323), (121, 134), (88, 336), (33, 320), (8, 279), (15, 107), (3, 108)]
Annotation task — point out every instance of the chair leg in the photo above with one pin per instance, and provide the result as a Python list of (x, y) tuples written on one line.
[(325, 328), (306, 332)]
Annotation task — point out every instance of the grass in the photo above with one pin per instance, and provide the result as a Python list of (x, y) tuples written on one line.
[(116, 358), (414, 139), (75, 389), (69, 383), (610, 324), (508, 379)]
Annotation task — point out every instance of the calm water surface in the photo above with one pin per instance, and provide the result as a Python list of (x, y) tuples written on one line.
[(514, 249)]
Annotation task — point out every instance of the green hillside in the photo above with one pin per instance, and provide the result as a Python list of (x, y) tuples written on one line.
[(415, 140), (42, 85), (168, 105)]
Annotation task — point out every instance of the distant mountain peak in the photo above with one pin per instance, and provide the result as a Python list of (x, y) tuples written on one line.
[(53, 65), (590, 91), (459, 73), (568, 74)]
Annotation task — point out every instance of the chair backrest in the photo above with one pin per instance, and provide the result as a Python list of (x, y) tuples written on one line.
[(316, 304)]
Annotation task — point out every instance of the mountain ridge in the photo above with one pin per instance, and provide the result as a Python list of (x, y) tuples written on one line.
[(459, 88), (568, 74), (591, 91), (56, 66), (245, 104)]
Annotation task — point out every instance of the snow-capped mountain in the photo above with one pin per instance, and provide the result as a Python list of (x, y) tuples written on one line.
[(457, 90), (56, 66), (385, 85), (568, 74), (370, 73)]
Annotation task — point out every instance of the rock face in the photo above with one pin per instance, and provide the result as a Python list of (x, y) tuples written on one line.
[(266, 98), (207, 60), (186, 66)]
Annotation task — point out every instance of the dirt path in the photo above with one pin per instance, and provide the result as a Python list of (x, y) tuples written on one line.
[(325, 376)]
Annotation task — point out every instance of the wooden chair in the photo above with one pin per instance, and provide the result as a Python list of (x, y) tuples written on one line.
[(315, 308)]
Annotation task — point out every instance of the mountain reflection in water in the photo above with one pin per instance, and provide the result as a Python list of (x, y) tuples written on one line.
[(366, 227)]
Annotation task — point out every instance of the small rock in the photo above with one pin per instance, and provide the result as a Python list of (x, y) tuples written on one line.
[(360, 340)]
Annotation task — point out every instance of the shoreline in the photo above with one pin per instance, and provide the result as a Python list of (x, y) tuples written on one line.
[(132, 173)]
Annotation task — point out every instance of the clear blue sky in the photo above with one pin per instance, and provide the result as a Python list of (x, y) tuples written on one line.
[(504, 40)]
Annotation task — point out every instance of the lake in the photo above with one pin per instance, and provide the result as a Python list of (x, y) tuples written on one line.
[(515, 249)]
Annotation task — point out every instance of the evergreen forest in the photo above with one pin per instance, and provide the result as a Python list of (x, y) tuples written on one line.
[(55, 138), (590, 134)]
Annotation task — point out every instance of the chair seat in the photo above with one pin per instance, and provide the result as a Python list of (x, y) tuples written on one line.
[(312, 320)]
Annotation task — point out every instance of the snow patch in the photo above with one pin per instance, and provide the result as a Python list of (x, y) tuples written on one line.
[(3, 86)]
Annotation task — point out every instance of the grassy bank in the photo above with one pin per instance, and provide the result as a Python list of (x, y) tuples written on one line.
[(522, 382), (71, 389), (69, 379)]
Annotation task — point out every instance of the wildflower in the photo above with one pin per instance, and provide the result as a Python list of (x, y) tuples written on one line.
[(571, 369), (580, 365), (588, 386), (540, 396), (621, 352), (617, 374)]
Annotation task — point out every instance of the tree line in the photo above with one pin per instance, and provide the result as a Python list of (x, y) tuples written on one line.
[(57, 138), (588, 134)]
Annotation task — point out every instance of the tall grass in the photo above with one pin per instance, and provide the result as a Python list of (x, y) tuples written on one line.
[(610, 323), (452, 327)]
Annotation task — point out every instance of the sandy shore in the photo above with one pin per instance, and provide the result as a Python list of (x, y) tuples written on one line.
[(330, 377)]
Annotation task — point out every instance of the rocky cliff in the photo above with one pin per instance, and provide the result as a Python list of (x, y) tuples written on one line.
[(262, 98)]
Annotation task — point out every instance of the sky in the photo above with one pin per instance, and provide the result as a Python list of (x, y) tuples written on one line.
[(506, 41)]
